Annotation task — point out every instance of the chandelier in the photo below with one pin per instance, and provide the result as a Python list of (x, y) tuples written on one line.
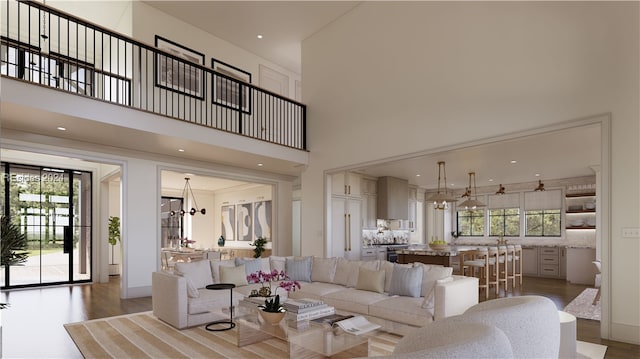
[(472, 203), (185, 196), (442, 198)]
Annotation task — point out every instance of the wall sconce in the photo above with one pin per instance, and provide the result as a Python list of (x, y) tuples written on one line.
[(442, 198), (500, 189), (540, 186), (185, 196)]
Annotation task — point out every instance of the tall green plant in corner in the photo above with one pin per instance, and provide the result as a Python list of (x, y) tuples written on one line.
[(14, 247), (114, 234)]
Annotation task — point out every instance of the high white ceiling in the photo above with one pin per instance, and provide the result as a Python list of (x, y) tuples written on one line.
[(563, 154), (283, 24), (557, 155)]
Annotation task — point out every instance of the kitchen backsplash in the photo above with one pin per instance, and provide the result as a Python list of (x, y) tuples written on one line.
[(374, 236)]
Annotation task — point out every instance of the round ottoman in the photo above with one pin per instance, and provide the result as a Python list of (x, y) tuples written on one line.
[(454, 339), (530, 322)]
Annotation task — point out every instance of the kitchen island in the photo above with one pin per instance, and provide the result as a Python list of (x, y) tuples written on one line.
[(423, 254)]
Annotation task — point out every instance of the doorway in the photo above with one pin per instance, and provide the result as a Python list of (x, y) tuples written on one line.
[(53, 208)]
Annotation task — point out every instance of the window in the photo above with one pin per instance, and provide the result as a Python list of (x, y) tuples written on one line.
[(471, 222), (543, 223), (504, 222), (542, 213)]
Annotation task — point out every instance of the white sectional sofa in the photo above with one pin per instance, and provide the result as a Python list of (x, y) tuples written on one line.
[(413, 294)]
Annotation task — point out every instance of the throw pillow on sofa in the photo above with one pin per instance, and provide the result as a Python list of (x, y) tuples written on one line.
[(277, 263), (299, 268), (323, 269), (388, 269), (406, 281), (215, 267), (250, 265), (236, 275), (370, 280), (198, 275)]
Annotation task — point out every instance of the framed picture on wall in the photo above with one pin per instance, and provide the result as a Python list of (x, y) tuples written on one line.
[(229, 222), (227, 91), (244, 221), (262, 220), (177, 73)]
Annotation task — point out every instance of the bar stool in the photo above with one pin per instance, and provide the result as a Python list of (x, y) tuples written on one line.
[(477, 261), (510, 266), (494, 268), (502, 271), (518, 258)]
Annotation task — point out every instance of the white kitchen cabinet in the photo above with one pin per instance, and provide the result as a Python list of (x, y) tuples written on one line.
[(346, 228), (369, 186), (346, 184), (369, 254), (530, 261), (411, 223), (369, 208), (562, 257), (580, 269), (549, 264)]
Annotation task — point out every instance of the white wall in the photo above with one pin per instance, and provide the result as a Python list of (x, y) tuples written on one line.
[(140, 218), (150, 22), (115, 15), (433, 74)]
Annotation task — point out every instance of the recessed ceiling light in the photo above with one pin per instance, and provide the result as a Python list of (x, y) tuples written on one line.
[(180, 149), (537, 175), (513, 161), (60, 128), (418, 175), (490, 179), (259, 36), (260, 165)]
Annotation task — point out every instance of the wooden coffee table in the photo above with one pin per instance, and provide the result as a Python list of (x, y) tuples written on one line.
[(318, 340)]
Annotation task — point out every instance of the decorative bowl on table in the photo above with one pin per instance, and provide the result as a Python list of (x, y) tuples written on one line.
[(438, 246)]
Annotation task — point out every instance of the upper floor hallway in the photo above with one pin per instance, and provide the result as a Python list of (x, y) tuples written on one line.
[(60, 71)]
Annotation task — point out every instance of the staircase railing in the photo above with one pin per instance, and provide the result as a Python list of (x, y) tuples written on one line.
[(44, 46)]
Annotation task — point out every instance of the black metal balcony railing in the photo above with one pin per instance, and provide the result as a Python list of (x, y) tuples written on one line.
[(44, 46)]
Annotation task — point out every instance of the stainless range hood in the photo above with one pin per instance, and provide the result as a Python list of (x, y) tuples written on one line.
[(393, 198)]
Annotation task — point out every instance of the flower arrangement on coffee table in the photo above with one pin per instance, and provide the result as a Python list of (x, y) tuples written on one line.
[(272, 305), (266, 279)]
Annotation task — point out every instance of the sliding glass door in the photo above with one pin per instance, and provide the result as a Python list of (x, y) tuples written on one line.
[(52, 208)]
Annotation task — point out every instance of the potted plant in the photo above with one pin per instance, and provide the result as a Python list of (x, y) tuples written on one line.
[(14, 247), (271, 311), (114, 238), (259, 246)]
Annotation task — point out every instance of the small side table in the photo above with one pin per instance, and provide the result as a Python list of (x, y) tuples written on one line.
[(229, 323), (568, 343)]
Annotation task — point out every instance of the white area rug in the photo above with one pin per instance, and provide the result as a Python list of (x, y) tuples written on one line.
[(582, 306), (590, 350)]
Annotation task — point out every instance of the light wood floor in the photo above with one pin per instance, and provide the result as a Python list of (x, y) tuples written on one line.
[(32, 325)]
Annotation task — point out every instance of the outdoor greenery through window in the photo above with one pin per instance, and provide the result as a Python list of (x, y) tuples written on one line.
[(504, 222), (471, 222), (543, 223)]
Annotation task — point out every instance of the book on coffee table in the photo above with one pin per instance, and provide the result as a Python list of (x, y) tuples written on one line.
[(333, 318), (302, 305), (357, 325)]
